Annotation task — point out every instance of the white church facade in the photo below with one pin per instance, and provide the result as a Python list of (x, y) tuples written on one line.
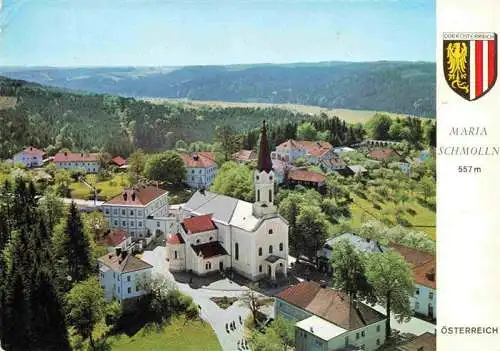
[(218, 232)]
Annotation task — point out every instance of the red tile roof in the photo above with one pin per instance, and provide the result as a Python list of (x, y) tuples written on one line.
[(208, 154), (245, 155), (383, 154), (198, 224), (75, 157), (423, 342), (209, 250), (197, 160), (306, 176), (314, 148), (137, 196), (119, 161), (425, 274), (423, 264), (175, 239), (413, 256), (331, 305), (114, 238), (33, 151)]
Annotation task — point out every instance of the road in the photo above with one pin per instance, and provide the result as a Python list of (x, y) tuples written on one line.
[(210, 312)]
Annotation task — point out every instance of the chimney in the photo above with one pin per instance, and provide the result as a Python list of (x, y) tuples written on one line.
[(118, 251), (311, 329), (81, 154), (31, 148), (133, 196), (431, 275), (65, 153), (125, 196), (124, 254)]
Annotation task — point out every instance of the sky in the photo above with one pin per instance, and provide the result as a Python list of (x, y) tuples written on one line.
[(73, 33)]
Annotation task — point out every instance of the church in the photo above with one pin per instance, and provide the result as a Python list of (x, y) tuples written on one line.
[(218, 232)]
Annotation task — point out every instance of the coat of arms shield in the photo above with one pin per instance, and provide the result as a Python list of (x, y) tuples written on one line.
[(470, 63)]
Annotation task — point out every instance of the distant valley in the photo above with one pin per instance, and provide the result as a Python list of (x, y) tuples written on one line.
[(397, 87)]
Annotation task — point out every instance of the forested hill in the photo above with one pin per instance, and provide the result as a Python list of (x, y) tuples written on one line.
[(31, 114), (399, 87)]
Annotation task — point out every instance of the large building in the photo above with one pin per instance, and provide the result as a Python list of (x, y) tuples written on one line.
[(250, 238), (200, 169), (122, 275), (423, 266), (69, 160), (329, 320), (134, 210), (30, 157)]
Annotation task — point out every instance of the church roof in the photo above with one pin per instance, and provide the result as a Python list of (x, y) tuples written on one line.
[(264, 160), (228, 210)]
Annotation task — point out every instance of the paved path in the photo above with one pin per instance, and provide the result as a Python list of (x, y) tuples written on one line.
[(210, 312)]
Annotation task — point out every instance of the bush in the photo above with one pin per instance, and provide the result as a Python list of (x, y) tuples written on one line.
[(113, 313)]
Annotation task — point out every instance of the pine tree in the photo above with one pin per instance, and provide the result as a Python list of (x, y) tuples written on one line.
[(77, 247)]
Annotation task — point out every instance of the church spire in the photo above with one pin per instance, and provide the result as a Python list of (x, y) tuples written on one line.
[(264, 162)]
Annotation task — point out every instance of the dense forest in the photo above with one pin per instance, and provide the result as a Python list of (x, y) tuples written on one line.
[(399, 87), (54, 119)]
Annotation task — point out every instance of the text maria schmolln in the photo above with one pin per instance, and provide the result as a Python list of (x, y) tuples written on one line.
[(469, 150)]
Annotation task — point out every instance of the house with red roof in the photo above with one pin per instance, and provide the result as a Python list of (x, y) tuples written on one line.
[(116, 238), (77, 160), (384, 154), (200, 169), (423, 265), (196, 247), (119, 161), (327, 319), (304, 177), (135, 210), (30, 157)]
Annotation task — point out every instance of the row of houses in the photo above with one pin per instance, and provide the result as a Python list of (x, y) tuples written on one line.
[(423, 266)]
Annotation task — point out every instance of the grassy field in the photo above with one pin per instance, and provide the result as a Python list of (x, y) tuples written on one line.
[(7, 102), (421, 218), (352, 116), (109, 188), (178, 335)]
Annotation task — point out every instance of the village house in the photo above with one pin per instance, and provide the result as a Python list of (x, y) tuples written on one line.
[(250, 238), (329, 320), (313, 152), (424, 273), (122, 275), (134, 210), (324, 256), (200, 169), (30, 157), (72, 161), (385, 154), (116, 239), (244, 156), (304, 177)]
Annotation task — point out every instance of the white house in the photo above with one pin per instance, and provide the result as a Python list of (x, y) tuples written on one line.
[(30, 157), (326, 319), (134, 208), (121, 275), (313, 151), (424, 273), (250, 238), (200, 169), (324, 255), (69, 160)]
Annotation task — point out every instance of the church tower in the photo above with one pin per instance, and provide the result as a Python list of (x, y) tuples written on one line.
[(264, 179)]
